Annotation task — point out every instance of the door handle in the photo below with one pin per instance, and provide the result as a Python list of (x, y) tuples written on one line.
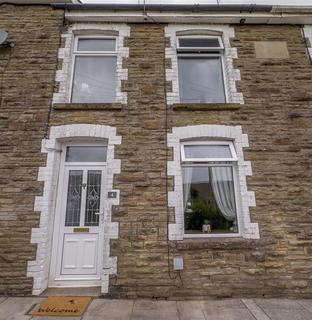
[(99, 213)]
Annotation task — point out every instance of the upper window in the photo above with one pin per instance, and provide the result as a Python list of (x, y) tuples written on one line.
[(200, 68), (209, 201), (94, 74)]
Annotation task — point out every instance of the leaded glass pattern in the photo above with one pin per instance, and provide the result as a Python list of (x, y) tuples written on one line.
[(73, 204), (93, 198)]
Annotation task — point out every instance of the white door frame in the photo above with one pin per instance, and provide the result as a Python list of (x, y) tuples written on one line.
[(55, 278)]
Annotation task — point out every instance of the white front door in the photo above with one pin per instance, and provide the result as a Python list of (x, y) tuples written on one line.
[(78, 235)]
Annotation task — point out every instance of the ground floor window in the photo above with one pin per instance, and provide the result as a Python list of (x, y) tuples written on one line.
[(209, 201)]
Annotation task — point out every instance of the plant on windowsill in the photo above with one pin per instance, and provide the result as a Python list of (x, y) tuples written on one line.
[(200, 212)]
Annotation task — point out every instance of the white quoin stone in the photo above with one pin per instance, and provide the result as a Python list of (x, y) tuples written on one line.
[(64, 75), (231, 75), (246, 199), (45, 204)]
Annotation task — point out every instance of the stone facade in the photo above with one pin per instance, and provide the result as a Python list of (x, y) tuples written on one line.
[(275, 116), (27, 74)]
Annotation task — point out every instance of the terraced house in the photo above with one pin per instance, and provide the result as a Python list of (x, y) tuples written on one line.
[(156, 150)]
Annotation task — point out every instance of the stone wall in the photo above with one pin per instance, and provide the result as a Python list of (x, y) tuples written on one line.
[(27, 85), (275, 116)]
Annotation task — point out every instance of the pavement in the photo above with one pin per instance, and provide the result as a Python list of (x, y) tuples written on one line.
[(14, 308)]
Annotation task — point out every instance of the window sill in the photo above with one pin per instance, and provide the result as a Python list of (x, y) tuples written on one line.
[(87, 106), (205, 106), (221, 243), (211, 235)]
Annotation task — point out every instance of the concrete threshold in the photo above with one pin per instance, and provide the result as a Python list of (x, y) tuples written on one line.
[(87, 292)]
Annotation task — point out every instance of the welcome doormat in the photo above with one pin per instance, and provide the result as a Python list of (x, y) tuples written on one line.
[(62, 306)]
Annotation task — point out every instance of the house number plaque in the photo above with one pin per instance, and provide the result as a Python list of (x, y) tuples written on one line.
[(112, 194), (81, 229)]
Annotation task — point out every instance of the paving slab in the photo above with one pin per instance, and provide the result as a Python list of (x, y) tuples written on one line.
[(223, 303), (255, 310), (109, 310), (307, 304), (2, 299), (190, 310), (15, 308), (289, 314), (154, 310), (228, 314), (277, 304)]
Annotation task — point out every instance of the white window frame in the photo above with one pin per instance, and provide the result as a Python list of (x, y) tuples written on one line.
[(219, 143), (245, 198), (77, 53), (203, 52), (214, 162), (205, 49)]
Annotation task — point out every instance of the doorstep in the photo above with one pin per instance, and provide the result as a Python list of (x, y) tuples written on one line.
[(75, 292)]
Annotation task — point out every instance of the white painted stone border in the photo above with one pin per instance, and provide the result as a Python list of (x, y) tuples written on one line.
[(45, 204), (65, 54), (175, 198), (308, 34), (231, 74)]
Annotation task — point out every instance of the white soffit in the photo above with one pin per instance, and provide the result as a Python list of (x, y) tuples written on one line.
[(276, 17)]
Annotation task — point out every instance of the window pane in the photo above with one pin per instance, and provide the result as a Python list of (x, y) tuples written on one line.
[(209, 200), (93, 198), (96, 45), (207, 151), (201, 80), (94, 79), (199, 42), (73, 203), (86, 154)]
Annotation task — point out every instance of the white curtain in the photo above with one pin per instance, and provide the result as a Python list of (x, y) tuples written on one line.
[(187, 181), (223, 190)]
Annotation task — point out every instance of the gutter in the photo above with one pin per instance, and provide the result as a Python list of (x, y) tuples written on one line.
[(164, 7)]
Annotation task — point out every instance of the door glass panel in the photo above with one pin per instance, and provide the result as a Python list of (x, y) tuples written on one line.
[(93, 198), (73, 203), (86, 154)]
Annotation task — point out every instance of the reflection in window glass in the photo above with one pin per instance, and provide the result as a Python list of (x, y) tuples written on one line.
[(201, 80), (209, 200), (96, 45), (199, 42), (94, 79), (86, 154), (207, 151)]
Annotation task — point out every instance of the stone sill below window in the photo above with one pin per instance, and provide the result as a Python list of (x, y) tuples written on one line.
[(205, 106), (221, 243), (87, 106)]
